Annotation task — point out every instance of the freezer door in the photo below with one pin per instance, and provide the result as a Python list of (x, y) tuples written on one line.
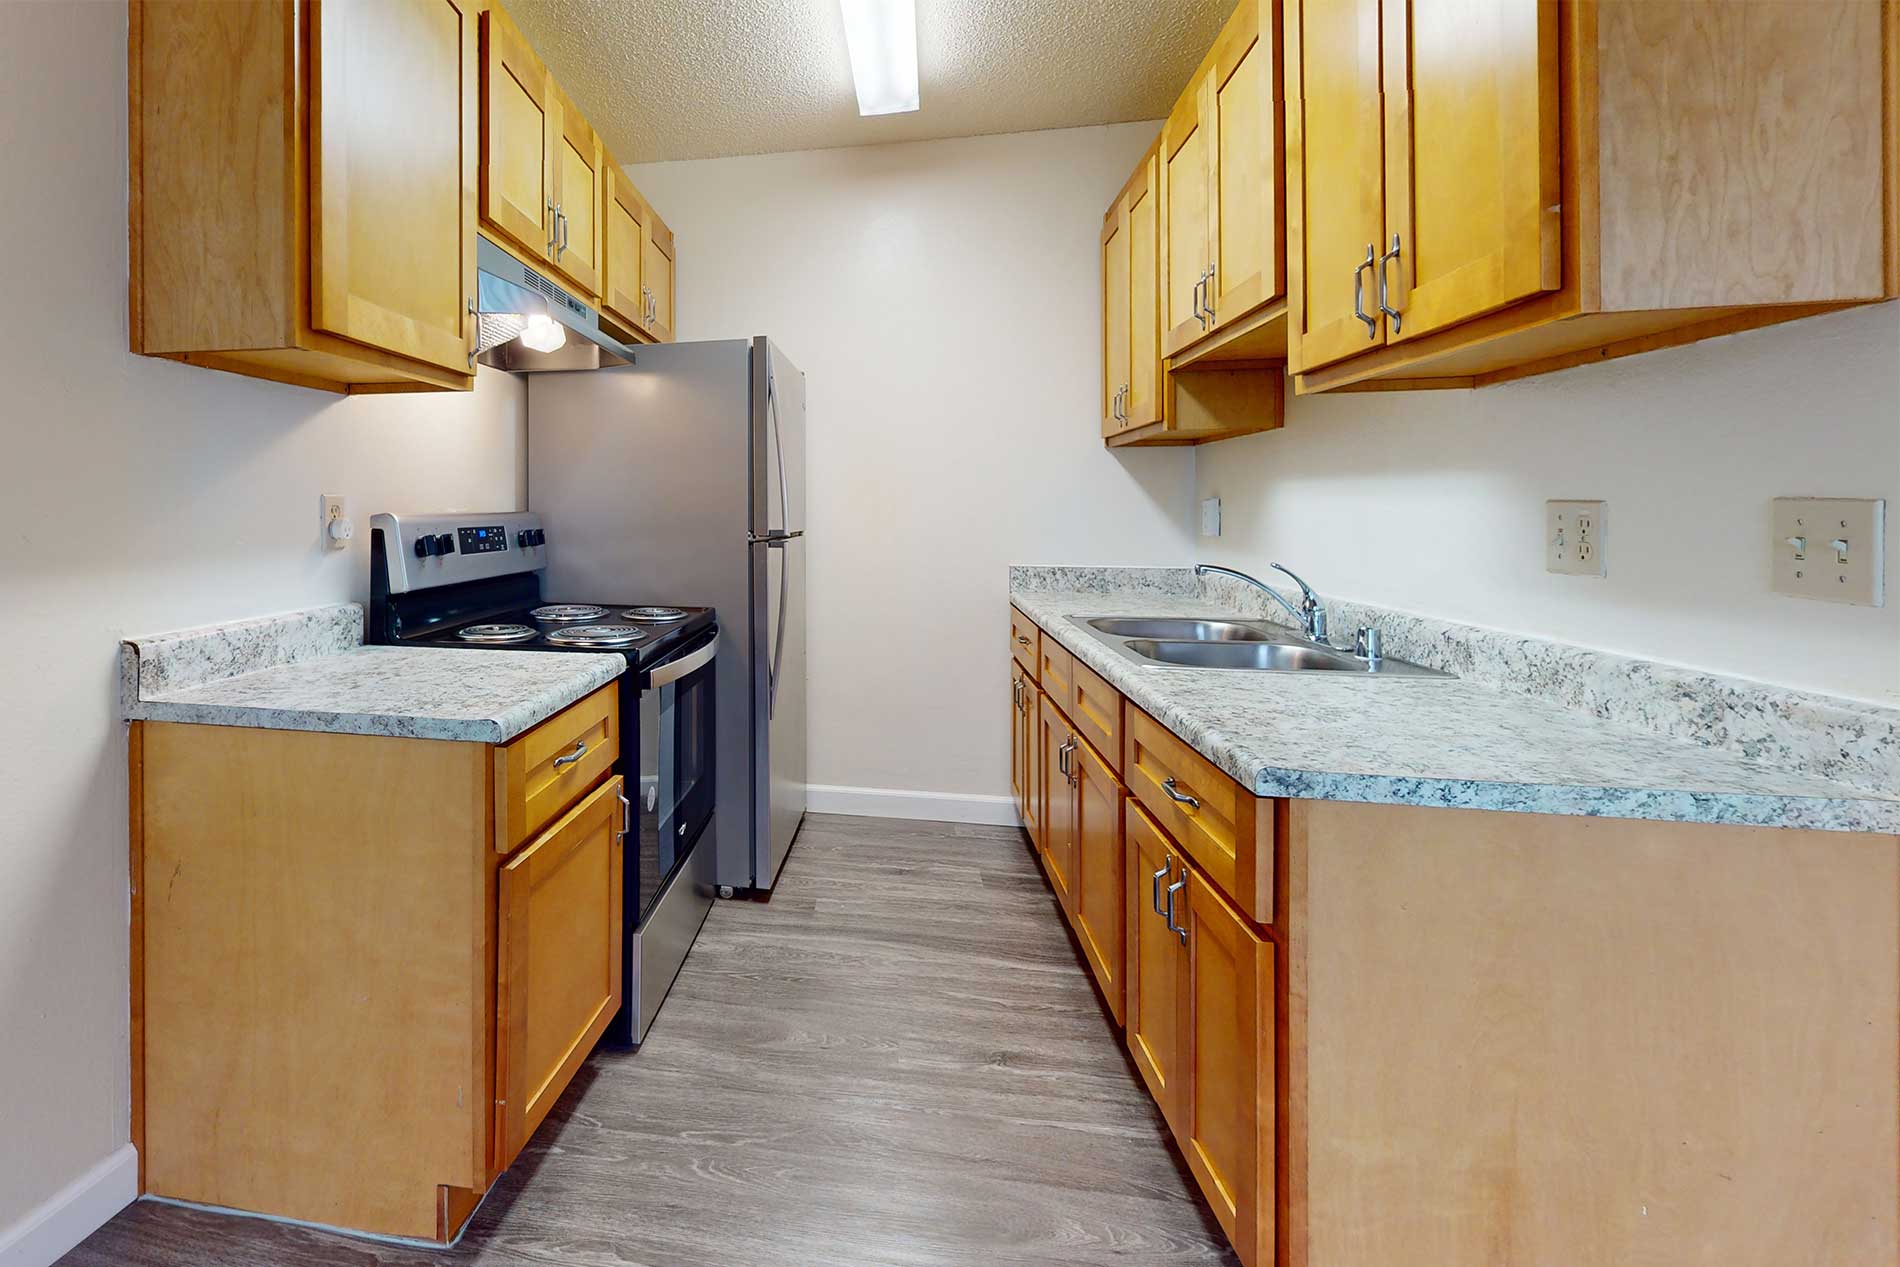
[(778, 444)]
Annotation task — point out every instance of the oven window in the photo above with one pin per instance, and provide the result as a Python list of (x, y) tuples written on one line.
[(675, 793)]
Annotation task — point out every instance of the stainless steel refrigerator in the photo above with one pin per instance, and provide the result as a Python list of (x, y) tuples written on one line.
[(681, 479)]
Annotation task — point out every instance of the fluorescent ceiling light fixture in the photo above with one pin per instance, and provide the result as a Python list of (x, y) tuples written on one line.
[(543, 333), (882, 36)]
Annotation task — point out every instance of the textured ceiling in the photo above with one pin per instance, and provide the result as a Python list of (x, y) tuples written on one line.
[(665, 79)]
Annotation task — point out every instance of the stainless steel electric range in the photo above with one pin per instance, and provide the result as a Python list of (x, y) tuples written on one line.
[(474, 580)]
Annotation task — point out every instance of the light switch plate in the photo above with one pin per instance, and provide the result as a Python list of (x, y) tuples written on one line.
[(1574, 533), (1830, 548), (1210, 517)]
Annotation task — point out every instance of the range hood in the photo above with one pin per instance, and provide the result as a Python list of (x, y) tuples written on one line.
[(509, 296)]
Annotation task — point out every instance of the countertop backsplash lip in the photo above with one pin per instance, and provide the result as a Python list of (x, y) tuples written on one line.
[(1490, 752), (186, 658)]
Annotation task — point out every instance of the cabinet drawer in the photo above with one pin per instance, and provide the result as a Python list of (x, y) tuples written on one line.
[(1055, 669), (1023, 639), (546, 770), (1226, 830), (1096, 709)]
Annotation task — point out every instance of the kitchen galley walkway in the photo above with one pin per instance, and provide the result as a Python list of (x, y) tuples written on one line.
[(896, 1062)]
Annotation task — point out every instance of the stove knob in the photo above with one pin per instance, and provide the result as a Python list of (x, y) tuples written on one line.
[(445, 544), (540, 537), (524, 538), (425, 546)]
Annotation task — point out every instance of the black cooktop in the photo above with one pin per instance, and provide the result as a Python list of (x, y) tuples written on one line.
[(643, 633)]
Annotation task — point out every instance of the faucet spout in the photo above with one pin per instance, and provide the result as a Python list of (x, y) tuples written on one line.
[(1308, 612)]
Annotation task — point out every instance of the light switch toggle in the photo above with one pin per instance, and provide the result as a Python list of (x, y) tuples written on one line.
[(1800, 545), (1840, 550)]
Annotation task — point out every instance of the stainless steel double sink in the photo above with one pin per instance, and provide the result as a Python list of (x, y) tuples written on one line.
[(1260, 646)]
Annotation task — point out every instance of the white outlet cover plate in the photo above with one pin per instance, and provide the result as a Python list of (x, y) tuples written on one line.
[(1819, 522), (1574, 533), (331, 507), (1210, 517)]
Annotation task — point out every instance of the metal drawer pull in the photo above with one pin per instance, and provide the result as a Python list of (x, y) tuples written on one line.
[(1359, 291), (1177, 929), (1154, 895), (626, 819), (1178, 797), (1022, 639), (1391, 313), (580, 750)]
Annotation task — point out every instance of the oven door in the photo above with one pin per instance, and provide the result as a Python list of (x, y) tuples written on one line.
[(675, 796)]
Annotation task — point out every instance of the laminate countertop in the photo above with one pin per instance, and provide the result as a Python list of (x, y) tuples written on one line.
[(467, 695), (1437, 742)]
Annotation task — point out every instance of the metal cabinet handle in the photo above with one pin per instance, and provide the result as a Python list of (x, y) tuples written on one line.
[(1179, 930), (561, 249), (1200, 307), (1359, 291), (1178, 797), (580, 750), (626, 819), (1208, 292), (1154, 884), (554, 225), (1392, 314), (474, 334), (1022, 638)]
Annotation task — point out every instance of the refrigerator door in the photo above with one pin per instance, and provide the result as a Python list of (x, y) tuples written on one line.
[(778, 625)]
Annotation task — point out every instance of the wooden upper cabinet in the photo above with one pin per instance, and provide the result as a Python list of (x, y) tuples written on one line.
[(622, 248), (579, 193), (1246, 157), (1335, 203), (337, 255), (1185, 201), (1141, 401), (1539, 185), (1115, 316), (1472, 189), (658, 267), (517, 174), (558, 960)]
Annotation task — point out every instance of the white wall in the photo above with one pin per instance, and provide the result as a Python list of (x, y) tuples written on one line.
[(1434, 501), (136, 496), (942, 299)]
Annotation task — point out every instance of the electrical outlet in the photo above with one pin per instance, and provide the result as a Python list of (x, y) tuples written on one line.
[(334, 523), (1210, 517), (1832, 549), (1573, 537)]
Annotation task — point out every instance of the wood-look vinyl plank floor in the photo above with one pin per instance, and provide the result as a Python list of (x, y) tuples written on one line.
[(898, 1061)]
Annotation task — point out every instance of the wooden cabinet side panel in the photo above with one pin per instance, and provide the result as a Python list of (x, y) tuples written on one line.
[(213, 157), (311, 972), (1741, 160), (1645, 1042)]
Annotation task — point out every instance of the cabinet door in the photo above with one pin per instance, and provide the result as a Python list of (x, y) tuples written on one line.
[(1100, 902), (392, 226), (1472, 187), (1018, 745), (659, 278), (1058, 805), (1336, 195), (1226, 1128), (1115, 314), (1033, 790), (1141, 403), (557, 960), (579, 193), (517, 178), (1184, 217), (622, 243), (1245, 149), (1157, 979)]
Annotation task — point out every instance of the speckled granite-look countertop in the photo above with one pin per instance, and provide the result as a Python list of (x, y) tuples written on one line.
[(306, 671), (1415, 741)]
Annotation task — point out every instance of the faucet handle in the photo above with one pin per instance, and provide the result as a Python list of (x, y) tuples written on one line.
[(1368, 644), (1312, 599), (1316, 622)]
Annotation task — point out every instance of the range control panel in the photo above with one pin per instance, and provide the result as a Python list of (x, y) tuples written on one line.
[(424, 551)]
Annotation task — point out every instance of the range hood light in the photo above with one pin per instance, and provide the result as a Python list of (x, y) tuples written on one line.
[(543, 333), (882, 37)]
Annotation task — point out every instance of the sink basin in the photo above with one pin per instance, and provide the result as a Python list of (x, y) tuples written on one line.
[(1244, 655), (1173, 629)]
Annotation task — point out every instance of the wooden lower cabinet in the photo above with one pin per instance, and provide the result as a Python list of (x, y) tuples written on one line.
[(558, 960), (1056, 807), (352, 1003), (1097, 907), (1157, 962)]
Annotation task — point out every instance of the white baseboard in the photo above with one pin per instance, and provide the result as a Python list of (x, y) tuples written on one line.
[(73, 1213), (935, 807)]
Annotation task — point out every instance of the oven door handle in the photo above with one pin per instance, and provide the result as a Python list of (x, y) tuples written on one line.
[(673, 670)]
